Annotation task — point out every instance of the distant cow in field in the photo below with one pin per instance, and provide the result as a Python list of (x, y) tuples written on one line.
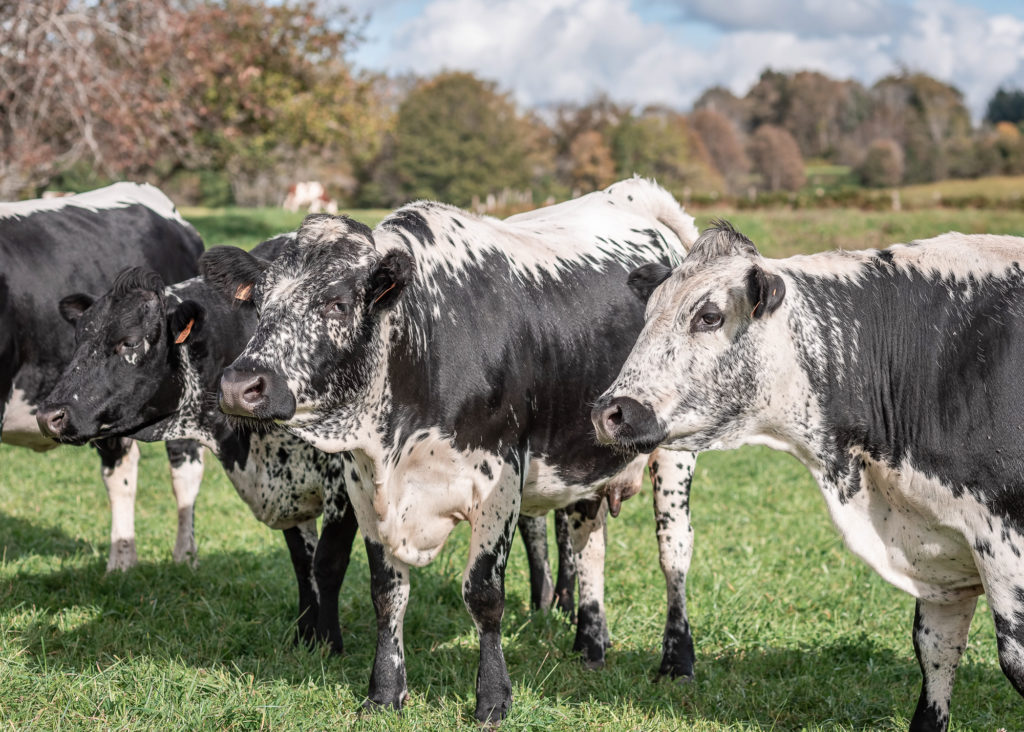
[(456, 356), (893, 375), (309, 196), (53, 247)]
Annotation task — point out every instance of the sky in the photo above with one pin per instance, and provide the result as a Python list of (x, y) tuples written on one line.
[(669, 51)]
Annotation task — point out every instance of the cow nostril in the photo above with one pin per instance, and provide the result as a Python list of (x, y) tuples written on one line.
[(613, 416), (254, 390), (54, 422)]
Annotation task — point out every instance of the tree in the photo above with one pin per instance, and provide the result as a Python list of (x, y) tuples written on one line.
[(659, 143), (923, 115), (149, 87), (1006, 105), (777, 158), (722, 141), (883, 164), (591, 161), (457, 137)]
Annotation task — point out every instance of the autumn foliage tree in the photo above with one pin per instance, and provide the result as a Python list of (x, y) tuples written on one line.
[(722, 141), (148, 87), (777, 158), (882, 165)]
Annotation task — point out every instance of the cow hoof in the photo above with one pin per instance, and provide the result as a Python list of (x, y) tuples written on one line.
[(490, 714), (188, 556), (678, 677), (122, 556), (593, 665), (374, 706)]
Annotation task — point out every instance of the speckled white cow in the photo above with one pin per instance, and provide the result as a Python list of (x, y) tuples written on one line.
[(894, 376), (455, 356)]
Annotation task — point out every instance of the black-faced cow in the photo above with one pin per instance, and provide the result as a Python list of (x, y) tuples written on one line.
[(894, 376), (52, 247), (456, 356), (168, 392)]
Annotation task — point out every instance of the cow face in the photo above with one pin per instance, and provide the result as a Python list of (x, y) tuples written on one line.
[(120, 378), (317, 358), (697, 374)]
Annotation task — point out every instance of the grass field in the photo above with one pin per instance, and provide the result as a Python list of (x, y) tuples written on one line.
[(792, 631)]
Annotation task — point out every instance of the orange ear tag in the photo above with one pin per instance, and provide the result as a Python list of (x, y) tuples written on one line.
[(243, 292), (184, 333)]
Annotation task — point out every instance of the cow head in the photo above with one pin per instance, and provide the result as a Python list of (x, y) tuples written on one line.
[(697, 373), (317, 359), (121, 376)]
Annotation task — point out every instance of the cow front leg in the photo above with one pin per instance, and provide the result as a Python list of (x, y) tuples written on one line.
[(389, 588), (940, 637), (186, 459), (119, 466), (671, 475), (588, 531), (302, 543), (483, 591), (534, 532), (565, 585), (329, 566)]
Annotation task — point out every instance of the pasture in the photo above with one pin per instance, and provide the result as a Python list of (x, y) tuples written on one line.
[(791, 630)]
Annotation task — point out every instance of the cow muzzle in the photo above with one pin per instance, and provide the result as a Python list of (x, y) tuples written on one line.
[(625, 422), (256, 393)]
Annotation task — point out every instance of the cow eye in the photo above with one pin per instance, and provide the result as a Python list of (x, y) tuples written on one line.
[(707, 319), (336, 309), (127, 345)]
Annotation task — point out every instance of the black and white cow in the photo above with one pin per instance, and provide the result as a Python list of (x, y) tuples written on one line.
[(894, 376), (52, 247), (168, 392), (456, 356)]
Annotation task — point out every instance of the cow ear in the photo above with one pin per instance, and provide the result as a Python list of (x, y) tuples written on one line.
[(388, 278), (232, 270), (644, 279), (766, 291), (185, 321), (72, 306)]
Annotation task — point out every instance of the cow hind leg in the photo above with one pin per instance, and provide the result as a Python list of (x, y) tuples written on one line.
[(940, 636), (588, 531), (671, 474), (534, 531), (565, 584), (329, 566), (119, 466), (186, 459), (389, 588), (302, 543)]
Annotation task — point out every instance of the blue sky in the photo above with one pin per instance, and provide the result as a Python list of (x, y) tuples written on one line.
[(669, 51)]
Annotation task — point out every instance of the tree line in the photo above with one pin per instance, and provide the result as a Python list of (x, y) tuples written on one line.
[(229, 101)]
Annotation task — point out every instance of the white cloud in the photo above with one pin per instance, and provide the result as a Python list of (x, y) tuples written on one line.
[(567, 50)]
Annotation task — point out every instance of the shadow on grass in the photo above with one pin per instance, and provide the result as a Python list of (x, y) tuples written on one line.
[(20, 538), (235, 614)]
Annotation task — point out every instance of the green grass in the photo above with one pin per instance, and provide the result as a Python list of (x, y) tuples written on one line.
[(247, 227), (792, 631)]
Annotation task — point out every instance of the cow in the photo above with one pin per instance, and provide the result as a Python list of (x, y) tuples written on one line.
[(456, 356), (893, 375), (52, 247), (309, 196), (165, 394)]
